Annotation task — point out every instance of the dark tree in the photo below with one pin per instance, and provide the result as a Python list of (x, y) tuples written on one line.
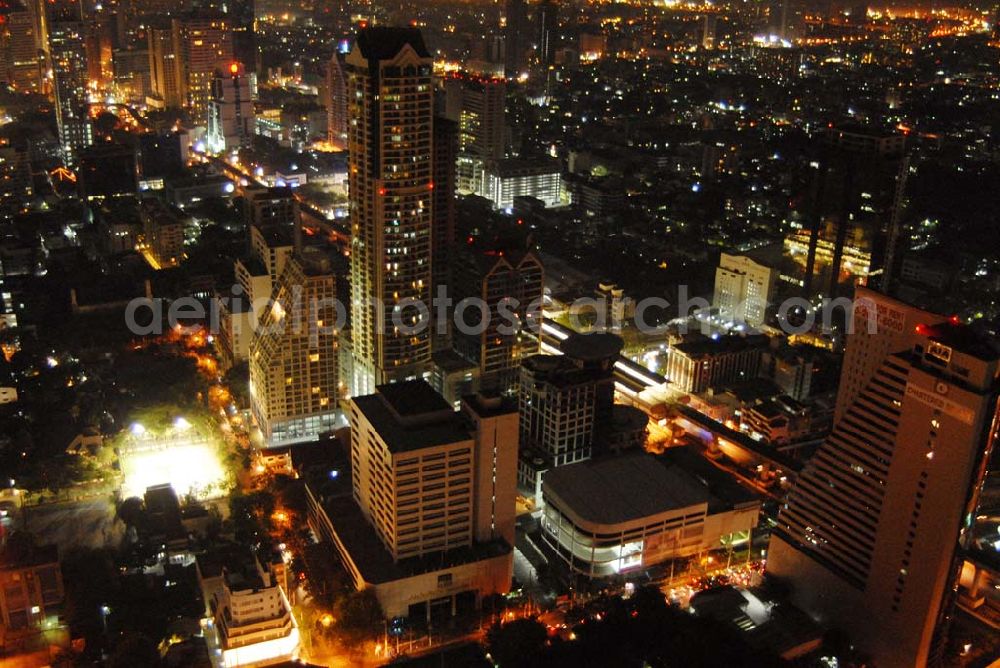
[(517, 643)]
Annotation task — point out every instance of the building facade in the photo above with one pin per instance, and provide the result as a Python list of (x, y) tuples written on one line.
[(612, 515), (743, 289), (509, 283), (68, 58), (702, 363), (503, 180), (430, 518), (294, 390), (391, 116), (231, 121), (870, 537)]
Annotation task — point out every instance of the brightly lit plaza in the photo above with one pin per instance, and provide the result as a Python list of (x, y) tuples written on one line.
[(177, 456)]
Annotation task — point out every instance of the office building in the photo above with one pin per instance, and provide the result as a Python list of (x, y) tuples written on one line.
[(202, 43), (293, 354), (613, 515), (566, 402), (613, 305), (515, 42), (391, 114), (15, 178), (547, 24), (701, 363), (443, 206), (31, 586), (68, 56), (871, 536), (476, 103), (253, 621), (854, 205), (231, 123), (21, 46), (162, 234), (504, 180), (164, 68), (269, 206), (880, 325), (429, 522), (509, 281), (743, 289), (336, 103), (131, 74)]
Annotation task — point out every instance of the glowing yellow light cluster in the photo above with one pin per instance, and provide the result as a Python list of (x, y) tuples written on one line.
[(190, 467)]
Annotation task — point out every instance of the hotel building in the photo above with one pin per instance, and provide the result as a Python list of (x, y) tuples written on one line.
[(870, 538)]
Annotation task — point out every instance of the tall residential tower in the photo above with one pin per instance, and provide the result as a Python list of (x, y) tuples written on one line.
[(390, 138)]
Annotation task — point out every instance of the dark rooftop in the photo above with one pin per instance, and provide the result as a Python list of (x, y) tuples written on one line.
[(411, 415), (385, 42), (412, 397), (703, 345), (592, 347)]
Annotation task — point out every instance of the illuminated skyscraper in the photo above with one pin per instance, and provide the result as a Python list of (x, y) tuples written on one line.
[(203, 42), (293, 354), (855, 196), (477, 105), (230, 111), (869, 538), (164, 67), (391, 115), (68, 56), (19, 47), (336, 103)]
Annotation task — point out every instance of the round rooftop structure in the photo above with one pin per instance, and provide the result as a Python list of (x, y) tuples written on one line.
[(592, 347)]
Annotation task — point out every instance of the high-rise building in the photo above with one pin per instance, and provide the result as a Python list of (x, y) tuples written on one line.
[(391, 114), (293, 354), (881, 325), (477, 104), (203, 43), (515, 43), (509, 280), (164, 67), (230, 111), (20, 47), (565, 400), (855, 198), (743, 289), (430, 520), (443, 203), (547, 24), (15, 178), (270, 214), (131, 72), (265, 207), (709, 31), (68, 56), (336, 103), (163, 234), (504, 180), (869, 538)]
